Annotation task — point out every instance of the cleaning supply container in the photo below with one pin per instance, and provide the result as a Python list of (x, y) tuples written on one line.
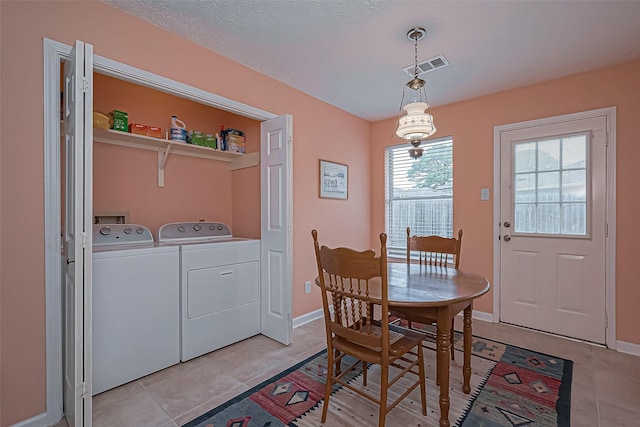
[(178, 130)]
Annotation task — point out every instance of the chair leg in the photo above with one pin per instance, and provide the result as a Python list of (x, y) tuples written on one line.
[(327, 388), (384, 388), (423, 381), (364, 373)]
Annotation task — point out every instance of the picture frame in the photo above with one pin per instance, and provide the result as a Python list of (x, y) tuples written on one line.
[(334, 180)]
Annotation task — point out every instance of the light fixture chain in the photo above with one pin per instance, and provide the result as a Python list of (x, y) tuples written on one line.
[(415, 67)]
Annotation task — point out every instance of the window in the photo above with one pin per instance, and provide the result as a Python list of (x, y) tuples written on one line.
[(550, 186), (418, 193)]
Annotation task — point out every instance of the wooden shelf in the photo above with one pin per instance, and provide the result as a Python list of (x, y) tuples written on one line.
[(165, 148)]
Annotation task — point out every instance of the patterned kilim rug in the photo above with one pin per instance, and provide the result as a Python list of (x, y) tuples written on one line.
[(510, 386)]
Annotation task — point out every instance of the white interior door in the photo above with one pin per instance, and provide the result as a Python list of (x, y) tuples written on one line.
[(276, 228), (78, 106), (553, 228)]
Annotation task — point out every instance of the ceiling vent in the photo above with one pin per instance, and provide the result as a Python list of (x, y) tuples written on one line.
[(425, 66)]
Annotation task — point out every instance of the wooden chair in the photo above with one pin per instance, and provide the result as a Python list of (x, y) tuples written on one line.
[(352, 283), (433, 250)]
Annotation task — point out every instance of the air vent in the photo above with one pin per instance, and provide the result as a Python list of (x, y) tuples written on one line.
[(431, 64)]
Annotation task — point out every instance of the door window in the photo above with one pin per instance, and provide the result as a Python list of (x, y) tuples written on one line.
[(550, 186)]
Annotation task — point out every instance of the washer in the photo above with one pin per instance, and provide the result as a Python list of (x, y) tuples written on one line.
[(219, 285), (136, 310)]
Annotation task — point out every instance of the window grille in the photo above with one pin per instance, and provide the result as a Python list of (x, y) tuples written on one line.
[(418, 193)]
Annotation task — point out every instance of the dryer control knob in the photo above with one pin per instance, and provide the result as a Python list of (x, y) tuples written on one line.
[(105, 231), (139, 230), (212, 227), (220, 227), (197, 227), (127, 230), (181, 228)]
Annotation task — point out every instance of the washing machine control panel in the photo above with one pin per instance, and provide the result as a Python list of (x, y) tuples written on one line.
[(120, 234), (193, 231)]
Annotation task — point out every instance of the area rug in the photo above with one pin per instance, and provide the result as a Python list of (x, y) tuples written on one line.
[(510, 386)]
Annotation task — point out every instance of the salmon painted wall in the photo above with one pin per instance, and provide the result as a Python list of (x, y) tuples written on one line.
[(125, 39), (471, 123)]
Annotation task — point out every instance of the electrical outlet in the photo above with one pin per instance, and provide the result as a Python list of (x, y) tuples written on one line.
[(484, 194), (307, 287)]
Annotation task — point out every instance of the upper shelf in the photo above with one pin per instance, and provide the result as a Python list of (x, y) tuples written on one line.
[(236, 160)]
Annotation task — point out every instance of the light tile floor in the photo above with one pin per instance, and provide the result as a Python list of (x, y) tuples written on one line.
[(605, 390)]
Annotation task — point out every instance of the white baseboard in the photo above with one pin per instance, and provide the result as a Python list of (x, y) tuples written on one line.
[(628, 347), (481, 315), (37, 421), (309, 317)]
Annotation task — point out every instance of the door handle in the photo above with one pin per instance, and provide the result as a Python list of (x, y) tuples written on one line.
[(69, 261), (506, 238), (507, 224)]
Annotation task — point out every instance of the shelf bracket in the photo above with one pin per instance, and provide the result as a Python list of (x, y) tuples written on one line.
[(163, 156)]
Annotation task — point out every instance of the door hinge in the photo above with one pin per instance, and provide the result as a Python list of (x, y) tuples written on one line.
[(84, 84), (606, 320), (81, 391), (289, 140), (606, 230), (84, 239)]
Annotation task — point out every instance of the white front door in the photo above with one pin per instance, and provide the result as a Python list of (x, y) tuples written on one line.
[(78, 130), (276, 228), (553, 227)]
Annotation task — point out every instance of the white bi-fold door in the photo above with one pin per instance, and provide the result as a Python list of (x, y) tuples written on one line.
[(77, 116)]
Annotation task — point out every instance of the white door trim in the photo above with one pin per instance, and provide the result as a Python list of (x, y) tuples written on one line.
[(55, 52), (610, 286)]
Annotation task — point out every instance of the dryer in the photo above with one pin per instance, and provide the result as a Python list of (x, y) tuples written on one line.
[(135, 308), (219, 285)]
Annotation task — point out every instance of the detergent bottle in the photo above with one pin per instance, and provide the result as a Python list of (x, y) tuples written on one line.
[(178, 130)]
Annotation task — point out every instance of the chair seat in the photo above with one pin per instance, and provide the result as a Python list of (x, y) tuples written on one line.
[(401, 340)]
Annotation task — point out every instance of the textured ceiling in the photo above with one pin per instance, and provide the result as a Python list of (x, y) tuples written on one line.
[(350, 53)]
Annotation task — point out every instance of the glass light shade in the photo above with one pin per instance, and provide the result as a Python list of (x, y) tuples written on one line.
[(416, 124)]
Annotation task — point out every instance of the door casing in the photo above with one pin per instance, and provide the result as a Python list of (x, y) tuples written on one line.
[(610, 217)]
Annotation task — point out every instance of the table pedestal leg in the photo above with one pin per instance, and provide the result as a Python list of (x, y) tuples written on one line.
[(466, 369), (443, 350)]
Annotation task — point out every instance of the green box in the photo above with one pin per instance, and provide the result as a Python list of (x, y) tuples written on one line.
[(119, 120), (210, 141)]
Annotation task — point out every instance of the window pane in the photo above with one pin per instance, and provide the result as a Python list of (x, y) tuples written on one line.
[(549, 155), (574, 218), (549, 218), (549, 187), (525, 157), (574, 152), (525, 187), (574, 186), (525, 218)]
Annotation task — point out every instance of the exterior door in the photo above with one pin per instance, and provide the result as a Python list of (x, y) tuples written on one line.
[(77, 113), (553, 228), (276, 228)]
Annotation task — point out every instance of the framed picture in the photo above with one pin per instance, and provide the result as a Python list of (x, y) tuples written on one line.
[(334, 180)]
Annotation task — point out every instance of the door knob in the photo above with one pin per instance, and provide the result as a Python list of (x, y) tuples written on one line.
[(506, 238), (507, 224)]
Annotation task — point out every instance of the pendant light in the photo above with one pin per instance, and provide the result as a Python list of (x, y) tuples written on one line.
[(416, 125)]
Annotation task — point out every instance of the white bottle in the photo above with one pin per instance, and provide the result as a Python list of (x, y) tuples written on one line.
[(178, 130)]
